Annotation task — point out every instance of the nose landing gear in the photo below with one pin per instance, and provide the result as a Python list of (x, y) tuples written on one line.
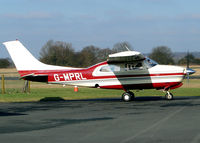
[(169, 96)]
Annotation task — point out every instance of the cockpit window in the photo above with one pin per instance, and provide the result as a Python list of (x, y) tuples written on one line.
[(150, 63), (133, 66)]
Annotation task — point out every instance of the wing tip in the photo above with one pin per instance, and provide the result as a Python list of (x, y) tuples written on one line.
[(8, 42)]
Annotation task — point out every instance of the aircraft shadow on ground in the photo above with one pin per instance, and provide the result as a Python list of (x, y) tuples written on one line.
[(137, 99), (59, 102), (10, 114), (55, 99)]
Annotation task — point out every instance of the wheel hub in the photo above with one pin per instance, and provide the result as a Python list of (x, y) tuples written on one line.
[(126, 97)]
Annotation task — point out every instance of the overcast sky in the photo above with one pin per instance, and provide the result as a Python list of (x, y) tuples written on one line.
[(145, 24)]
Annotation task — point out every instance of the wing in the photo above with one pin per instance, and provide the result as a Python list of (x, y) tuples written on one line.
[(127, 56)]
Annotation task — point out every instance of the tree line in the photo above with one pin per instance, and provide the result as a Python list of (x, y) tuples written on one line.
[(63, 54), (5, 63)]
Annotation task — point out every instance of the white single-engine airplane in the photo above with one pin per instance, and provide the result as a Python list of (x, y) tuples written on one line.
[(129, 70)]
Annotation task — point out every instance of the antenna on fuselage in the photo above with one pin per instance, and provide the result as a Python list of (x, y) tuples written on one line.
[(125, 45), (188, 66), (188, 60), (127, 48), (189, 71)]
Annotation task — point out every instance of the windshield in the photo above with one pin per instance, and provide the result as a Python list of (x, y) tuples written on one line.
[(150, 63)]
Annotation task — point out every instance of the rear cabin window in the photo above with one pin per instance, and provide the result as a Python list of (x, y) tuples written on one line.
[(110, 68)]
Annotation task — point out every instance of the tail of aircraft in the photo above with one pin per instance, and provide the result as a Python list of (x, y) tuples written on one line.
[(24, 60)]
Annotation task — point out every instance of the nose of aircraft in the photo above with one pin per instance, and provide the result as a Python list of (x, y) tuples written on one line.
[(190, 71)]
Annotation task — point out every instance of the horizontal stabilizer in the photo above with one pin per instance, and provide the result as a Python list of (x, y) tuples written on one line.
[(38, 78)]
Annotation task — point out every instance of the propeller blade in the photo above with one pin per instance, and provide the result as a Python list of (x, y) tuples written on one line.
[(189, 71), (188, 60), (188, 78)]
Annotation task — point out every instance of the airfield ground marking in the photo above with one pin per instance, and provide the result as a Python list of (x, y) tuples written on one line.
[(154, 125)]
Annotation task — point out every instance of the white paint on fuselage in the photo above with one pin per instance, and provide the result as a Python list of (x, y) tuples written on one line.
[(158, 69), (167, 69), (162, 69)]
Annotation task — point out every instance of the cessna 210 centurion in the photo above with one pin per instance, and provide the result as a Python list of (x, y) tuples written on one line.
[(128, 70)]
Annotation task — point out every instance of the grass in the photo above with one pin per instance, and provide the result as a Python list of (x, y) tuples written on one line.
[(43, 91), (63, 93), (84, 93)]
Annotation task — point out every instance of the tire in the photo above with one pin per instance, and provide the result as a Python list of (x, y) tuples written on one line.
[(169, 96), (126, 96), (132, 95)]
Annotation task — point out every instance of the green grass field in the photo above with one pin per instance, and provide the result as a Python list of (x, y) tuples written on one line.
[(68, 93), (42, 91)]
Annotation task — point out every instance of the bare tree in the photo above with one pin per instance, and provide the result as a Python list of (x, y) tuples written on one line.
[(121, 46), (5, 63), (62, 53), (88, 56), (162, 55), (189, 59), (57, 53)]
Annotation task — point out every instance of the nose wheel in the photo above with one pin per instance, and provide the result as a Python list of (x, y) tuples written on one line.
[(128, 96), (169, 96)]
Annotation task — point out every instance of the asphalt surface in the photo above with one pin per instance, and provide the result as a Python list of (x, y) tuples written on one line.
[(146, 120)]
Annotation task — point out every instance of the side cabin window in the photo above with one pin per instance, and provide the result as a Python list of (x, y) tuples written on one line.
[(110, 68), (134, 66), (105, 69)]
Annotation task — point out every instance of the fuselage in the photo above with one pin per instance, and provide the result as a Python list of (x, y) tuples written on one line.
[(124, 70), (117, 76), (127, 70)]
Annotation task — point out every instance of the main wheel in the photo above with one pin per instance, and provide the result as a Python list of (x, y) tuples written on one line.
[(169, 96), (127, 96), (132, 95)]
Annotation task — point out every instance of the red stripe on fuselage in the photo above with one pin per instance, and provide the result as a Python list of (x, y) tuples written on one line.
[(85, 74), (49, 72), (88, 74), (171, 85)]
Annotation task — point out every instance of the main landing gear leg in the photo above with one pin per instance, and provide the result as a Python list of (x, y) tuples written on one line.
[(169, 96), (128, 96)]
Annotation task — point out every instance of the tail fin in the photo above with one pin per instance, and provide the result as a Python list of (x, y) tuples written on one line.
[(24, 60)]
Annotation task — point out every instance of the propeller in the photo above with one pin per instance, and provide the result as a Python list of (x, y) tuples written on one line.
[(189, 71)]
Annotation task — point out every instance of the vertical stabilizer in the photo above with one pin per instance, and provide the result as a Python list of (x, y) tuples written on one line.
[(24, 60), (21, 57)]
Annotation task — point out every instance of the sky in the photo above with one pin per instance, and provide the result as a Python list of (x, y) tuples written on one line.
[(145, 24)]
